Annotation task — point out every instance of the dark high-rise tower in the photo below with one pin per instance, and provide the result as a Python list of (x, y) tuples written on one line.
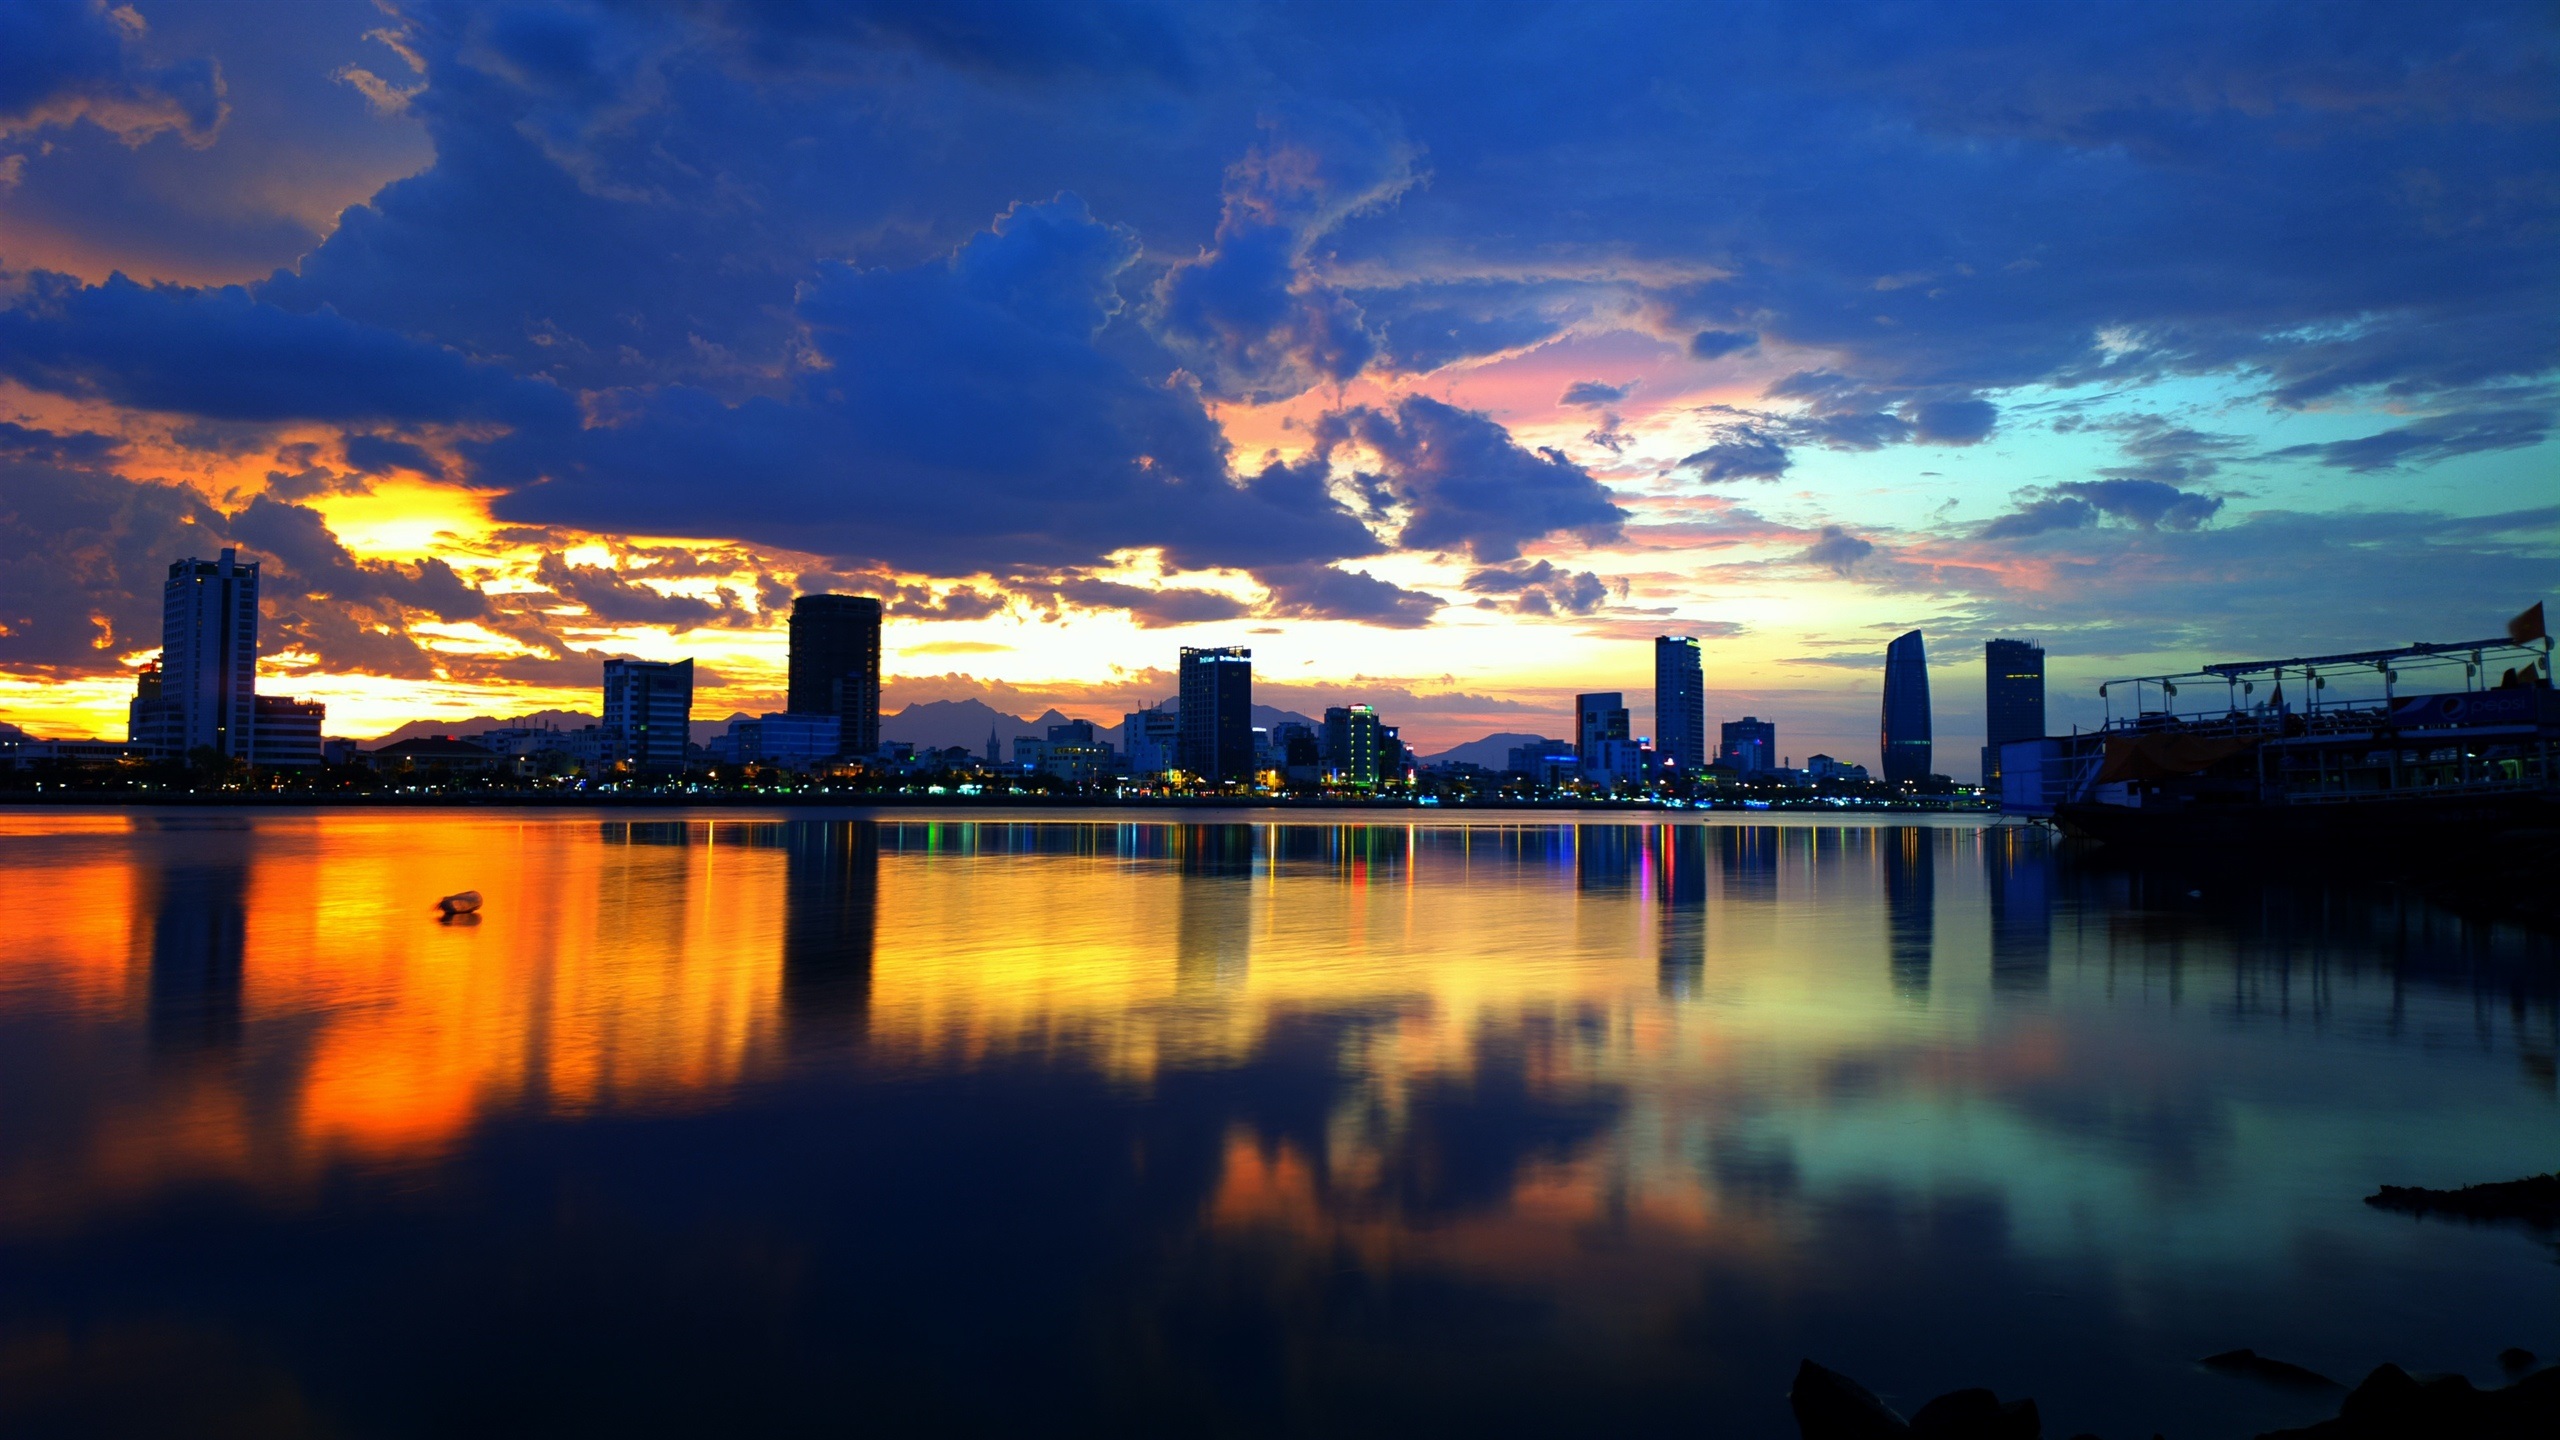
[(1750, 745), (2012, 699), (1216, 743), (1906, 711), (1679, 703), (835, 665)]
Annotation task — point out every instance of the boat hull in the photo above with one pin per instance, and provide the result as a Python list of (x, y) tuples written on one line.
[(2431, 829)]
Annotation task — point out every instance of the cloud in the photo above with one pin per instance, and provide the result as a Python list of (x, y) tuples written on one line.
[(1249, 314), (222, 355), (88, 551), (615, 599), (1153, 607), (1594, 394), (1716, 344), (1745, 453), (1001, 402), (1322, 592), (1953, 422), (1462, 483), (2169, 453), (2438, 437), (65, 61), (378, 455), (1541, 588), (2149, 504), (1838, 551)]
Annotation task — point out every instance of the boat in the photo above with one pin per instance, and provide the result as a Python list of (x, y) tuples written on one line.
[(2435, 751), (466, 902)]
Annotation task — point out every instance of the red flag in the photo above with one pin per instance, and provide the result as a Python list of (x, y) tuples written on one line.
[(2527, 627)]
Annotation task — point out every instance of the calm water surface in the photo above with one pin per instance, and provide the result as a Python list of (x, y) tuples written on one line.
[(718, 1123)]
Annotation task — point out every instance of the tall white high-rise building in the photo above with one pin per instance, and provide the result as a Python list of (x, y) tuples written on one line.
[(208, 679)]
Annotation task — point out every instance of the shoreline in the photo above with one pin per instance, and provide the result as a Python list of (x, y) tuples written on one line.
[(95, 800)]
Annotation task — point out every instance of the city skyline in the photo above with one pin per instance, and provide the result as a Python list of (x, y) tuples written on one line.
[(1371, 372)]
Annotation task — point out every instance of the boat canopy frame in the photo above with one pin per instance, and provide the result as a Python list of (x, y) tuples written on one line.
[(2475, 656)]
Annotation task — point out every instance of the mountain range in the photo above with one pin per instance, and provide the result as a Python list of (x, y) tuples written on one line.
[(1493, 752), (941, 724)]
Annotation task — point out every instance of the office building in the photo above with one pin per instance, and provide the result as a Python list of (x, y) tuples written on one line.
[(1750, 745), (1153, 738), (151, 720), (286, 733), (1395, 763), (1597, 719), (1548, 762), (1217, 714), (835, 665), (1906, 711), (1823, 767), (1616, 761), (1351, 744), (1301, 754), (202, 694), (208, 659), (2012, 699), (1679, 703), (786, 740), (648, 710)]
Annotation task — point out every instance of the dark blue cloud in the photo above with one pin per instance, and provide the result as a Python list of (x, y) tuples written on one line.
[(65, 61), (2438, 437), (1247, 314), (1745, 453), (2147, 504), (1002, 438), (1838, 551), (1716, 344), (1594, 393), (223, 355), (1462, 483), (378, 455)]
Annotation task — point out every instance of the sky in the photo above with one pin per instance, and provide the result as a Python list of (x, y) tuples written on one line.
[(1443, 354)]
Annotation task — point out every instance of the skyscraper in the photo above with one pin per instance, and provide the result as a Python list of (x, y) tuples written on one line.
[(1750, 745), (1906, 711), (648, 710), (835, 665), (1679, 702), (1217, 714), (208, 661), (2012, 699), (1351, 740)]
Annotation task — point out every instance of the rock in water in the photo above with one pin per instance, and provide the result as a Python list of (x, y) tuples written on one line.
[(2255, 1366), (1976, 1415), (1831, 1406), (2392, 1404)]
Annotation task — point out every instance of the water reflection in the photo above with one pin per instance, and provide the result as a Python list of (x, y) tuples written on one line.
[(830, 923), (199, 912), (1910, 862), (1213, 927), (1238, 1123), (2020, 879), (1681, 890)]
